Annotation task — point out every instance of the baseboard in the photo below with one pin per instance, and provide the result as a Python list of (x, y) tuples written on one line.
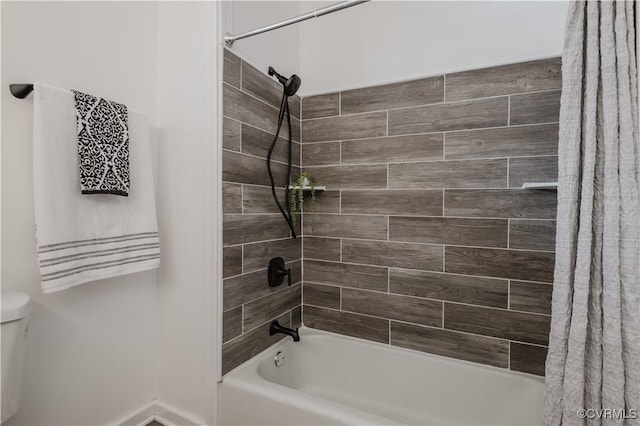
[(162, 413), (140, 417), (171, 416)]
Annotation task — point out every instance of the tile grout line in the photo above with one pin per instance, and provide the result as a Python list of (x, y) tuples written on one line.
[(432, 104), (452, 330), (444, 88), (387, 124), (407, 296), (457, 274)]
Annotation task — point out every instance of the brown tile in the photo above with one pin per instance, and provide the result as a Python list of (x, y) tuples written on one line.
[(240, 229), (242, 168), (396, 95), (360, 326), (267, 308), (541, 139), (296, 271), (454, 288), (500, 263), (356, 276), (514, 203), (231, 198), (326, 296), (450, 174), (530, 297), (258, 255), (449, 116), (231, 323), (522, 77), (396, 202), (534, 169), (444, 230), (527, 358), (231, 134), (259, 84), (451, 344), (296, 317), (319, 154), (369, 125), (321, 248), (231, 261), (532, 234), (350, 177), (231, 69), (244, 288), (347, 226), (535, 108), (394, 148), (326, 202), (399, 255), (499, 323), (259, 199), (257, 142), (243, 107), (321, 105), (250, 344), (401, 308)]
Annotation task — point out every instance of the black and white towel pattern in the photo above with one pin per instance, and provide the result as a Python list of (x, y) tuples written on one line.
[(103, 145)]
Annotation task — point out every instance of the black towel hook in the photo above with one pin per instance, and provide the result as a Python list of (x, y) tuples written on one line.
[(21, 91)]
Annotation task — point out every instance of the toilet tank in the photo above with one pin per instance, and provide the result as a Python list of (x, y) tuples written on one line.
[(15, 311)]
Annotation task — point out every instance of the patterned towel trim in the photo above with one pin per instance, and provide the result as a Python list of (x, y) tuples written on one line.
[(103, 145)]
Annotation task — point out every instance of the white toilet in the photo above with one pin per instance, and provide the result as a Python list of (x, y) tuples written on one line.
[(16, 308)]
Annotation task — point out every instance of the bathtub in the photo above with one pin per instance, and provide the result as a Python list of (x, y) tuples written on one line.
[(328, 379)]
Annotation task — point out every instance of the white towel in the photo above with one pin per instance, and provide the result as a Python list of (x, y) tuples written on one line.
[(83, 238)]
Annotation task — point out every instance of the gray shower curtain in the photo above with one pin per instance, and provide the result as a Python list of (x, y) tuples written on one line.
[(593, 362)]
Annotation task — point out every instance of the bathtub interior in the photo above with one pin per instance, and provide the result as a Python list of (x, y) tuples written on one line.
[(410, 387)]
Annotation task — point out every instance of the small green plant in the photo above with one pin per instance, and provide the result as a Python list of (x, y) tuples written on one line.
[(296, 197)]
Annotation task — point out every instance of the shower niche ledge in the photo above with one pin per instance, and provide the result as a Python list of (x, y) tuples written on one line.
[(308, 188), (540, 185)]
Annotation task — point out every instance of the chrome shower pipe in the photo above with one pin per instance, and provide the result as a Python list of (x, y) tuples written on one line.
[(229, 39)]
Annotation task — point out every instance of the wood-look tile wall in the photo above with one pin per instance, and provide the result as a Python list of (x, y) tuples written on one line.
[(424, 238), (254, 230)]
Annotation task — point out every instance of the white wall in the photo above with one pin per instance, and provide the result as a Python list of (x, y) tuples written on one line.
[(100, 352), (91, 348), (189, 179), (279, 48), (386, 41)]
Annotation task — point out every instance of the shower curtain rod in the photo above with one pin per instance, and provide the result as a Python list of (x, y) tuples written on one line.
[(229, 39)]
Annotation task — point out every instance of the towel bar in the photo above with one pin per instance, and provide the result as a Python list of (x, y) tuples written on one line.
[(21, 91)]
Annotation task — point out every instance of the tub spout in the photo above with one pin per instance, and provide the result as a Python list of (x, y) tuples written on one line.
[(276, 328)]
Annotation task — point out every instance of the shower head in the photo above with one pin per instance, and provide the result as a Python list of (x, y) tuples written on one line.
[(291, 84)]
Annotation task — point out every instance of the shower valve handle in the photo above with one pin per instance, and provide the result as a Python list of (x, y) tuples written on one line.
[(277, 272)]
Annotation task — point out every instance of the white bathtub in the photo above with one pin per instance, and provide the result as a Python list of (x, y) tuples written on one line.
[(328, 379)]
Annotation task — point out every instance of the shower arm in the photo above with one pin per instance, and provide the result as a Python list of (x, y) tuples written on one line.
[(229, 39)]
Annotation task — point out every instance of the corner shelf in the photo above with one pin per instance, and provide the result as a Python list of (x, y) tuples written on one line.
[(308, 188), (540, 185)]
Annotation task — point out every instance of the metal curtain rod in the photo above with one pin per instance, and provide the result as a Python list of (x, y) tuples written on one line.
[(229, 39)]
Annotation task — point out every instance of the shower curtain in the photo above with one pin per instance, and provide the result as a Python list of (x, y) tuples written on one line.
[(593, 364)]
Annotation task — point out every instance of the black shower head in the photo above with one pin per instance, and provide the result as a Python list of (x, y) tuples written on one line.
[(291, 84)]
